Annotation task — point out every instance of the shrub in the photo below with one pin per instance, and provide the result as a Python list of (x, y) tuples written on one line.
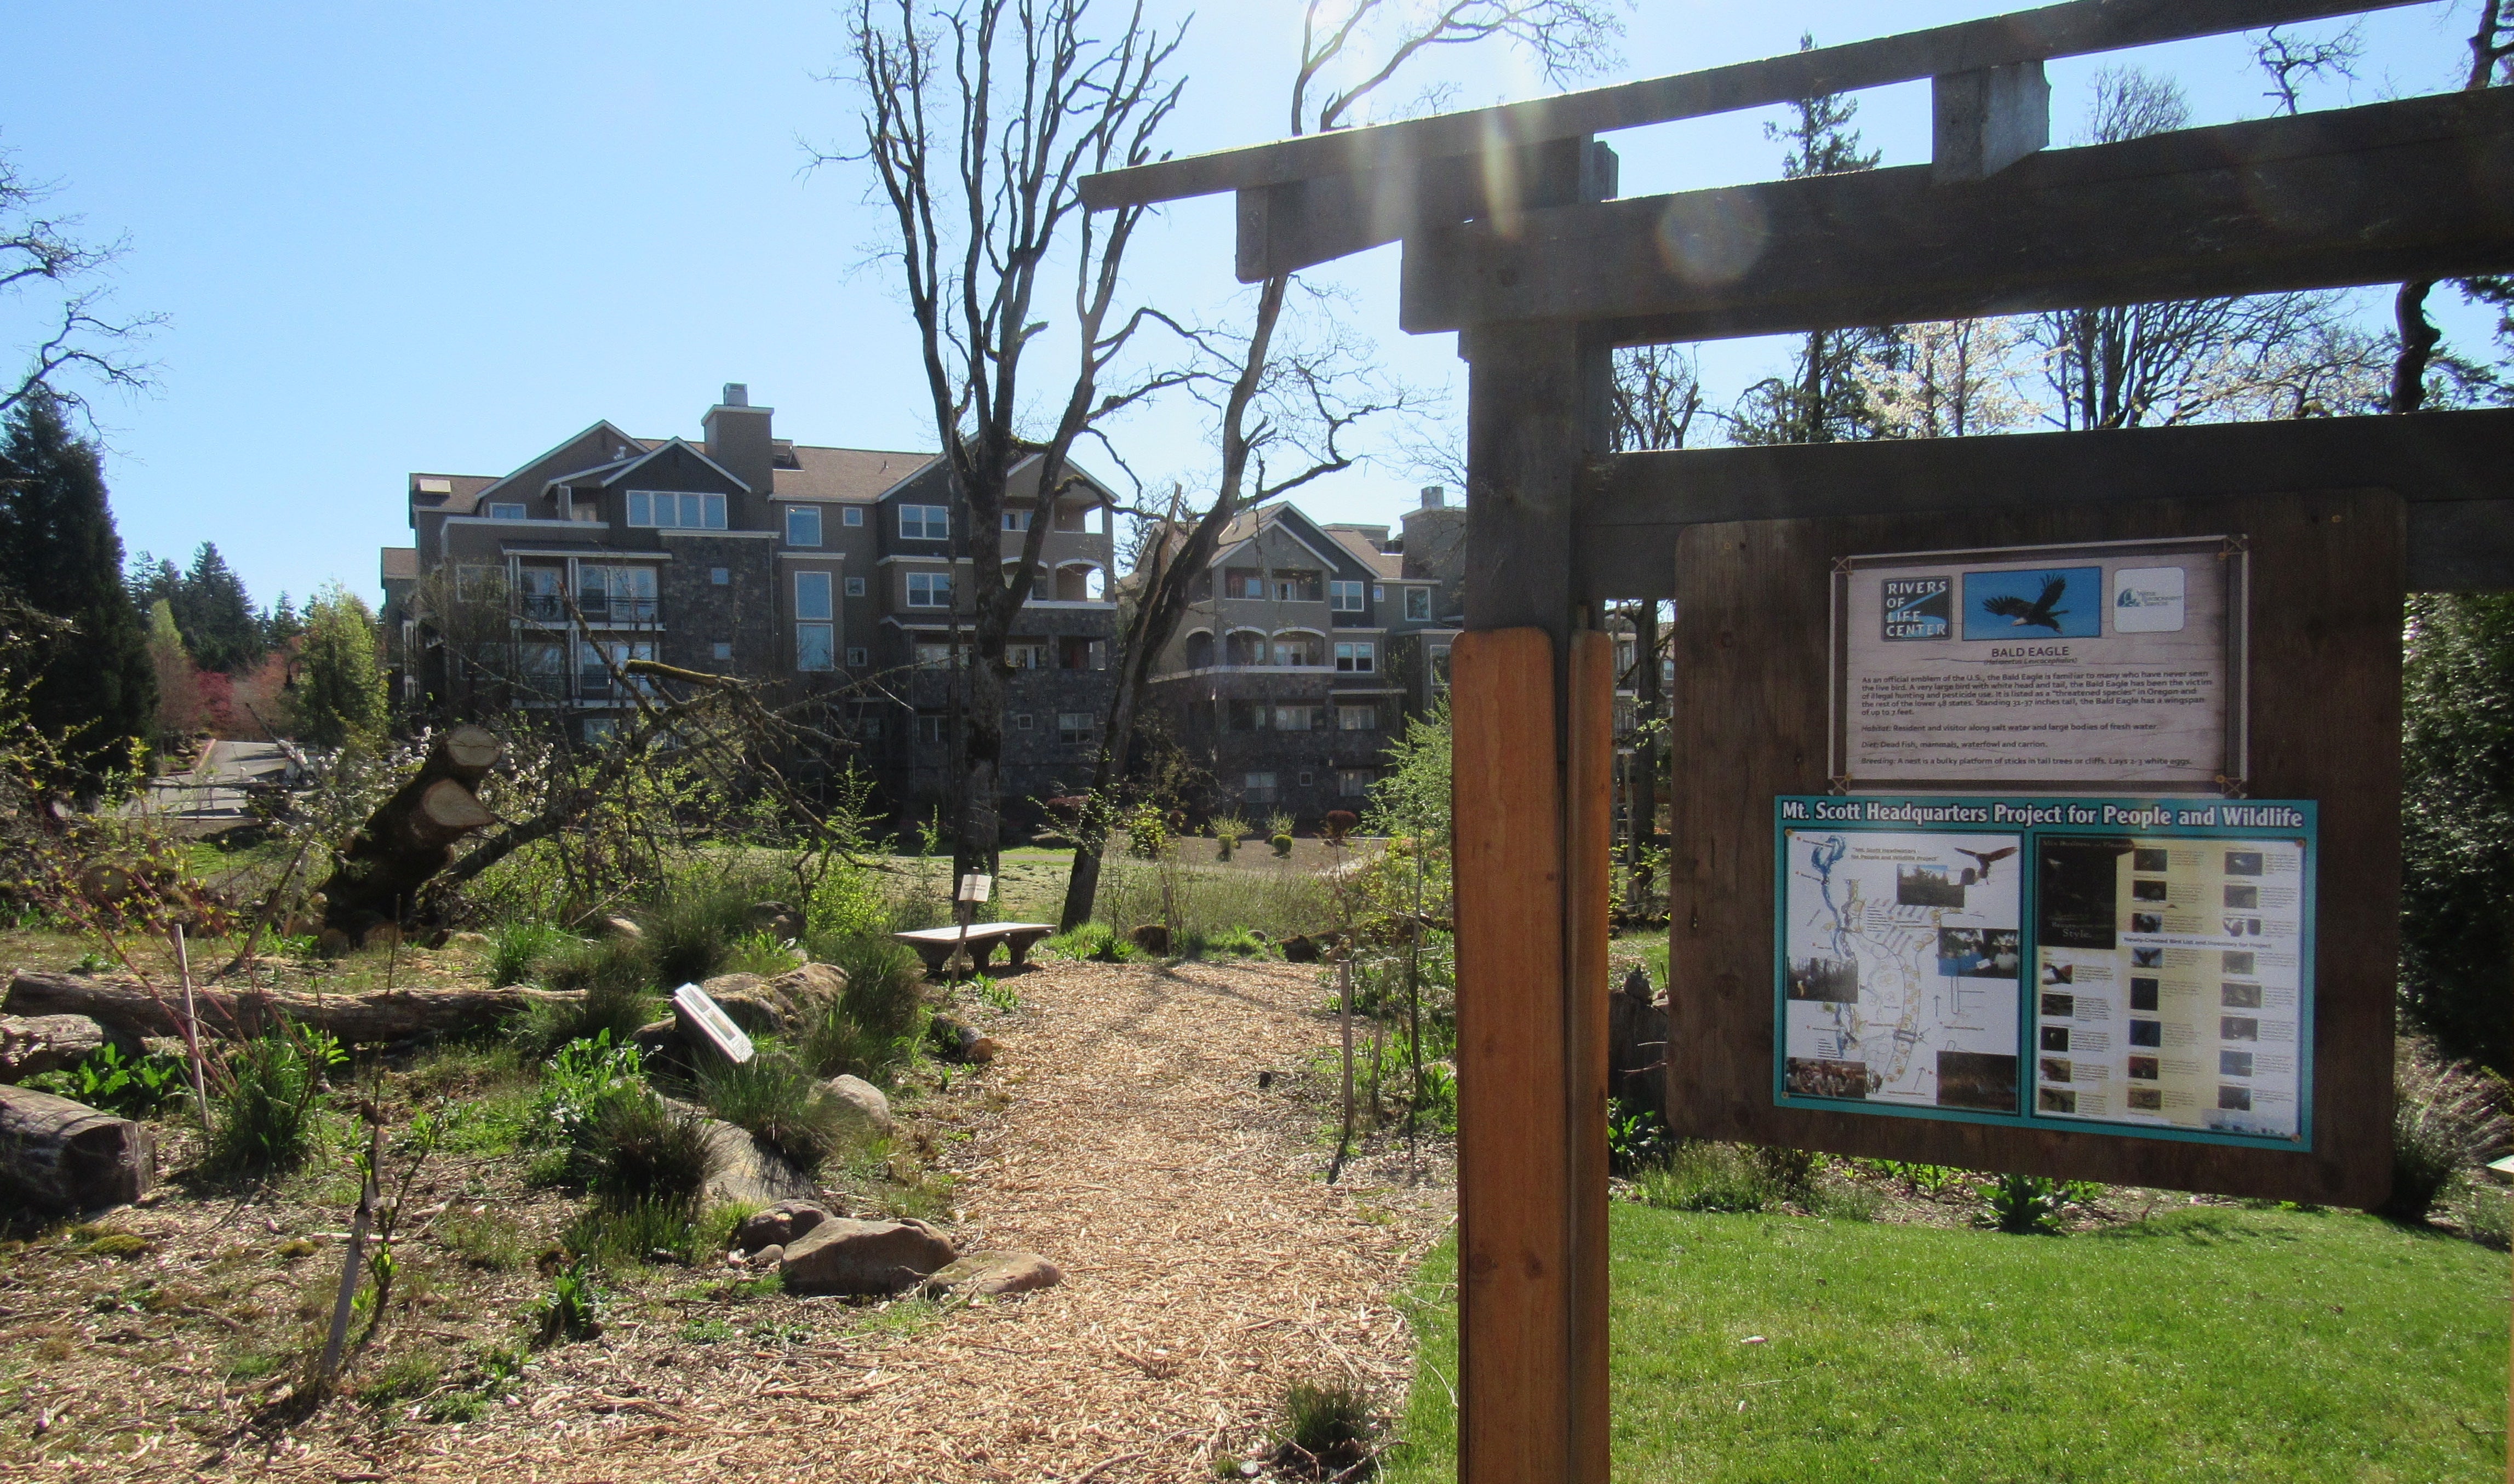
[(515, 949), (1637, 1138), (2446, 1120), (572, 1309), (127, 1087), (1701, 1175), (758, 953), (780, 1103), (638, 1148), (582, 1079), (620, 963), (263, 1117), (2023, 1205), (1326, 1428), (1338, 824), (1282, 844)]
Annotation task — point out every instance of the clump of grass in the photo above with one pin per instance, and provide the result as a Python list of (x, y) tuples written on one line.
[(617, 977), (885, 983), (638, 1148), (626, 1234), (263, 1117), (484, 1238), (779, 1102), (404, 1378), (517, 949), (2446, 1119), (759, 953), (572, 1309), (2022, 1205), (1097, 942), (694, 934), (1326, 1428), (1703, 1176)]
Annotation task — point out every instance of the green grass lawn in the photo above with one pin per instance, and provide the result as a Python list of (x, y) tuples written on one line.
[(2210, 1345)]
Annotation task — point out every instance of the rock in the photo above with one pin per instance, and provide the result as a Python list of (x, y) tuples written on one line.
[(777, 920), (769, 1256), (780, 1006), (1152, 937), (618, 927), (1300, 948), (660, 1043), (332, 942), (864, 1103), (778, 1225), (384, 934), (840, 1256), (985, 1274), (469, 941), (750, 1172), (30, 1044)]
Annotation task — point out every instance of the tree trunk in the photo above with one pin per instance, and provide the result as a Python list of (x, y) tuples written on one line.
[(1082, 884), (67, 1157), (128, 1009), (30, 1044), (2418, 341), (410, 837)]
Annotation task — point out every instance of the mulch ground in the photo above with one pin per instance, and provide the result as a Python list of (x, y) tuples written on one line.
[(1122, 1133)]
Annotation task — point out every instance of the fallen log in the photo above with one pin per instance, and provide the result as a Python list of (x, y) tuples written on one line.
[(411, 835), (68, 1156), (34, 1044), (127, 1008)]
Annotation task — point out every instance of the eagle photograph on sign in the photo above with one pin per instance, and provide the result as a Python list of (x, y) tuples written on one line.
[(2119, 663)]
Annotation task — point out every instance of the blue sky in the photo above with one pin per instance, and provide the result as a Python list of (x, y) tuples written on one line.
[(393, 237)]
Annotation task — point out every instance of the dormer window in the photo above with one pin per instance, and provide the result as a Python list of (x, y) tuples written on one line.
[(672, 511)]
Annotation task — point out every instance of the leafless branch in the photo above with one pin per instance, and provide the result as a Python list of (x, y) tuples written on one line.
[(86, 345)]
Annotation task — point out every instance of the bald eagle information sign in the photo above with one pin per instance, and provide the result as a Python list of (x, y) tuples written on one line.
[(2133, 965), (2104, 666)]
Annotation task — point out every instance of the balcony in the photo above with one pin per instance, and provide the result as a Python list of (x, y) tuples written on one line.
[(552, 608)]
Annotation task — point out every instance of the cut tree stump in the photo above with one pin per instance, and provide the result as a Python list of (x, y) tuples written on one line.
[(68, 1156), (411, 835), (129, 1008)]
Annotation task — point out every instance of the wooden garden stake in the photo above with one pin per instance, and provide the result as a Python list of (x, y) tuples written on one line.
[(1344, 989), (349, 1265), (191, 1030)]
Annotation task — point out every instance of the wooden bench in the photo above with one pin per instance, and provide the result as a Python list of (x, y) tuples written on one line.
[(935, 944)]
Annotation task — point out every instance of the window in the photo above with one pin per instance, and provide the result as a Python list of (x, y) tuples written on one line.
[(616, 594), (1308, 779), (599, 729), (811, 595), (1357, 718), (1074, 728), (1299, 719), (722, 648), (1298, 650), (594, 664), (1358, 658), (1017, 520), (933, 654), (1243, 582), (672, 511), (1257, 788), (506, 512), (721, 576), (812, 643), (1344, 598), (1247, 716), (1440, 668), (1353, 783), (857, 657), (1418, 604), (866, 720), (470, 582), (853, 515), (1022, 722), (1378, 595), (932, 728), (540, 593), (802, 525), (855, 588), (544, 665), (1296, 586), (1077, 651), (925, 523), (1029, 655), (929, 589)]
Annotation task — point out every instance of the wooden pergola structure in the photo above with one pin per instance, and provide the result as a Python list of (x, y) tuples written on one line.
[(1514, 238)]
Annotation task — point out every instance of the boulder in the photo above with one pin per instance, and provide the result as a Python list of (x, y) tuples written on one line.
[(30, 1044), (1152, 937), (866, 1106), (618, 927), (840, 1256), (660, 1040), (768, 1257), (777, 920), (986, 1274), (778, 1225), (781, 1006)]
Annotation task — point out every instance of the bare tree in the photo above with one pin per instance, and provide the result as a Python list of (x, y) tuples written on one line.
[(981, 118), (1297, 401), (1657, 393), (2491, 62), (82, 341), (2290, 62)]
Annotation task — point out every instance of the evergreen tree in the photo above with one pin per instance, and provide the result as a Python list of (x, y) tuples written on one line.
[(281, 623), (59, 554), (2457, 821), (216, 615), (341, 684), (152, 581)]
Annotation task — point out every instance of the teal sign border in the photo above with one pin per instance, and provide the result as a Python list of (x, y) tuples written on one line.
[(2055, 816)]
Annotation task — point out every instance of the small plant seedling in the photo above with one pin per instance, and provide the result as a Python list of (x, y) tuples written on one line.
[(997, 992)]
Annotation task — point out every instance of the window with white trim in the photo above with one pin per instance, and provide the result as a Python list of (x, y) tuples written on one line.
[(1017, 520), (934, 655), (1022, 722), (814, 634), (1358, 656), (1418, 604), (802, 525), (1353, 783), (1074, 728), (855, 588), (616, 594), (1257, 787), (1344, 598), (675, 510), (853, 515), (812, 643), (1299, 718), (933, 728), (812, 596), (858, 657), (1357, 718), (1027, 654), (925, 523), (506, 512), (929, 589)]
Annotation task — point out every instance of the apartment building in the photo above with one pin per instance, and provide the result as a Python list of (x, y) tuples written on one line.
[(825, 570), (1305, 648)]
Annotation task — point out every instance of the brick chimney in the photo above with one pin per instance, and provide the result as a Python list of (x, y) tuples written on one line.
[(738, 438)]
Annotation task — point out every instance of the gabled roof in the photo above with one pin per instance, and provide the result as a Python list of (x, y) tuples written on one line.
[(631, 465), (400, 562), (598, 445), (1382, 564), (847, 474)]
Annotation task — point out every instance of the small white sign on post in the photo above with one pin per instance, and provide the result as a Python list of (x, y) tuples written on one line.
[(975, 888), (700, 1010)]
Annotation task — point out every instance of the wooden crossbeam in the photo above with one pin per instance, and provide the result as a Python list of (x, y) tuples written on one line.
[(2422, 187), (2449, 467), (2080, 28)]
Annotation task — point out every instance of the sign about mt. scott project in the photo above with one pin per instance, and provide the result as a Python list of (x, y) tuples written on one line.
[(2112, 663)]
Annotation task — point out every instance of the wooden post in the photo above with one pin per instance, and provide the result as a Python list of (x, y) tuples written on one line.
[(1528, 757)]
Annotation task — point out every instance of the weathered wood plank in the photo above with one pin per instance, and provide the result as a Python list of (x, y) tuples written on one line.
[(2451, 466), (2077, 29), (1515, 1266), (1754, 603), (1982, 122), (1287, 227), (1589, 842), (2421, 187)]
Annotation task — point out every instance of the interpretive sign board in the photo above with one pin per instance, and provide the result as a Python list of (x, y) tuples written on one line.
[(2144, 966), (2110, 664)]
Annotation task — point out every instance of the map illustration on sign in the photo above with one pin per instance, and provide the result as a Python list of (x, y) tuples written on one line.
[(1902, 957)]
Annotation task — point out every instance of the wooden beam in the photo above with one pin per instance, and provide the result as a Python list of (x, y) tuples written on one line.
[(2081, 28), (1982, 122), (2422, 187), (2456, 470), (1287, 227), (1514, 1174), (1587, 889)]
